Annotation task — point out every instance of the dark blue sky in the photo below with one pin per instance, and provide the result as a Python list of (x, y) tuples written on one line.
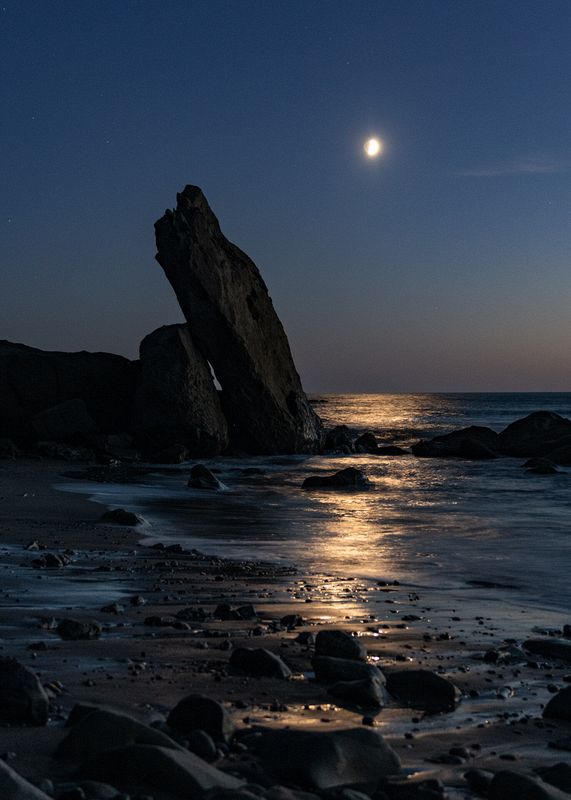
[(444, 265)]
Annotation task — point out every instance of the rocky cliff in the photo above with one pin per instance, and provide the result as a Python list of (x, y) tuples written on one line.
[(233, 323)]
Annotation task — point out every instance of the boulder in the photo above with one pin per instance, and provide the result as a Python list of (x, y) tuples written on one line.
[(198, 712), (179, 772), (232, 320), (118, 516), (176, 402), (259, 663), (538, 434), (332, 670), (549, 648), (423, 689), (23, 700), (366, 443), (32, 381), (175, 454), (364, 692), (202, 478), (357, 757), (340, 644), (508, 784), (558, 775), (543, 469), (14, 787), (339, 440), (562, 453), (75, 630), (103, 729), (349, 478), (475, 442), (559, 707)]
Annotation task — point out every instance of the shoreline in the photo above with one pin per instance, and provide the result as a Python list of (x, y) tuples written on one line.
[(113, 669)]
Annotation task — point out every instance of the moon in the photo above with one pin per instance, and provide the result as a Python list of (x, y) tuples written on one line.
[(373, 147)]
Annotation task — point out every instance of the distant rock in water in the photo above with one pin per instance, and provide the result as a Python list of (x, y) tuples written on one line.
[(233, 323), (349, 478), (33, 382), (538, 434), (339, 439), (475, 442), (176, 402), (366, 443)]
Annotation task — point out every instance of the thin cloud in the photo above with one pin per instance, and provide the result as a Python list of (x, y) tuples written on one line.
[(521, 166)]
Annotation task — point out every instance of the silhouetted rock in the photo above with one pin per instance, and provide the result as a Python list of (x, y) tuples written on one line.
[(475, 442), (33, 381), (339, 439), (202, 478), (232, 320), (340, 644), (198, 712), (176, 402), (558, 775), (549, 648), (99, 729), (118, 516), (559, 707), (366, 443), (332, 670), (14, 787), (392, 450), (508, 784), (74, 629), (562, 453), (320, 760), (23, 700), (259, 663), (177, 772), (363, 692), (422, 689), (538, 434), (349, 478), (8, 449)]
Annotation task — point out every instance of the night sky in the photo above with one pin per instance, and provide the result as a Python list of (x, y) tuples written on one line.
[(443, 265)]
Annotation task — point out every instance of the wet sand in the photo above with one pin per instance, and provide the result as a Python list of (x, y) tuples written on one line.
[(147, 669)]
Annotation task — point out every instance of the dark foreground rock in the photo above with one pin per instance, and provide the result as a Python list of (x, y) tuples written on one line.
[(14, 787), (364, 692), (99, 729), (23, 700), (339, 644), (510, 784), (475, 442), (549, 648), (357, 757), (197, 712), (259, 663), (332, 670), (75, 630), (181, 772), (339, 440), (232, 320), (422, 689), (33, 381), (176, 402), (559, 707), (202, 478), (349, 478)]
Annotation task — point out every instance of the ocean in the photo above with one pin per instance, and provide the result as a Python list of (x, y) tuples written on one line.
[(450, 524)]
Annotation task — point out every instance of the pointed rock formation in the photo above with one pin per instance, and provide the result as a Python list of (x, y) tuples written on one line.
[(176, 401), (233, 323)]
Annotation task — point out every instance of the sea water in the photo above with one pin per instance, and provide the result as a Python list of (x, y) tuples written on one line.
[(440, 523)]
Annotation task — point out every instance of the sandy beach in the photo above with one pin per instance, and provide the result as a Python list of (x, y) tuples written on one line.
[(145, 669)]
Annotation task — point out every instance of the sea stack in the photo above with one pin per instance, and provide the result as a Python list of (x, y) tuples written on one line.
[(233, 324)]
